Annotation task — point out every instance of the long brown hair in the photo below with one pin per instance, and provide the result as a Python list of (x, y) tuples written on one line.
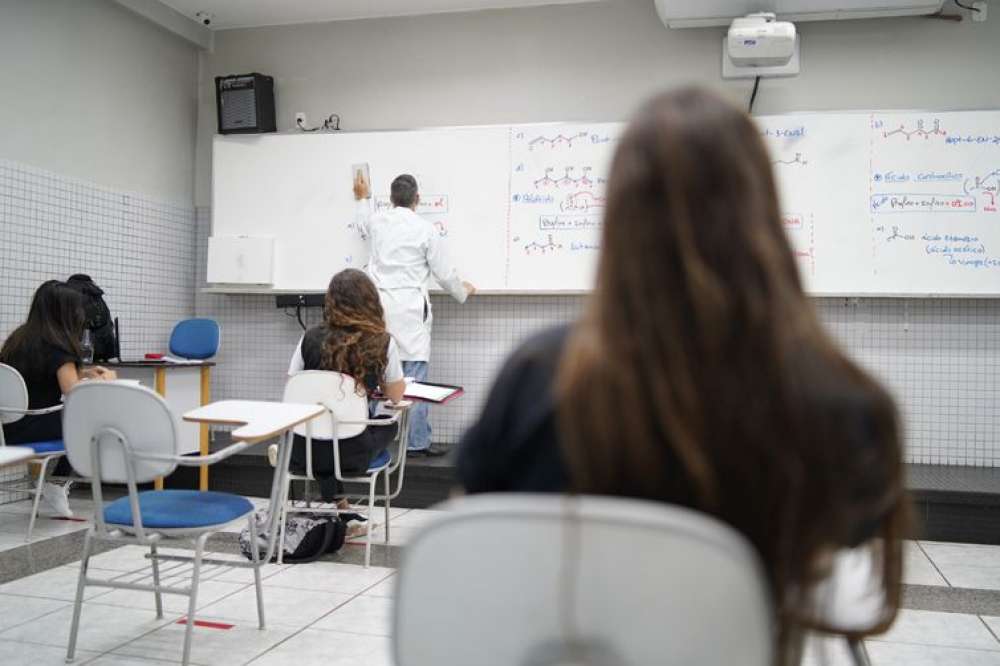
[(356, 340), (700, 373), (55, 319)]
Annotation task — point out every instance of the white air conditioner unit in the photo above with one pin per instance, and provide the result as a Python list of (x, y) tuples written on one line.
[(704, 13)]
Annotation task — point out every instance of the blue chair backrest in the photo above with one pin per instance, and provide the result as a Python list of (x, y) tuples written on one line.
[(195, 338)]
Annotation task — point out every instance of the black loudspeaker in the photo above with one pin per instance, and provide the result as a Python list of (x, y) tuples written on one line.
[(245, 103)]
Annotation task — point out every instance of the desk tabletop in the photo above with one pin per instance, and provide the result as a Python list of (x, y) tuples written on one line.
[(13, 455), (258, 420), (153, 364)]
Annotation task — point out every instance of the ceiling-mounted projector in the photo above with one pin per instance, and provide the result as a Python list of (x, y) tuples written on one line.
[(760, 45)]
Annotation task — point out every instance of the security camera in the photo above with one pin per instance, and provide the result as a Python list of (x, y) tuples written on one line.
[(204, 17)]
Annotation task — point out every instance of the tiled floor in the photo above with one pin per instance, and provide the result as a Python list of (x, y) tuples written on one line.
[(334, 613)]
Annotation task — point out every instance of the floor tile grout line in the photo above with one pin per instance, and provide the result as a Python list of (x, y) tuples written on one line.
[(933, 563), (877, 639), (989, 628), (321, 617)]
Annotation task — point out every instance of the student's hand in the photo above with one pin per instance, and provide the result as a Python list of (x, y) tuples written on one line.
[(100, 373), (361, 190), (470, 288)]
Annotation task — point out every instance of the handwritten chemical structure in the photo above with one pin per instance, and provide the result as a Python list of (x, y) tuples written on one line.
[(566, 180), (548, 247), (582, 201), (988, 186), (798, 160), (557, 141), (896, 235), (920, 131), (441, 230)]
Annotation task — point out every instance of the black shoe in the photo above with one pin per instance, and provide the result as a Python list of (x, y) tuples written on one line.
[(430, 452)]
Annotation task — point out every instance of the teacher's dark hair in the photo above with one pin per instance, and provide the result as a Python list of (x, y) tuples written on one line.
[(403, 191), (56, 318), (700, 348)]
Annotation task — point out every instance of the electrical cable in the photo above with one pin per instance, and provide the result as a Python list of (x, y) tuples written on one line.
[(753, 95), (971, 9), (298, 122), (298, 315)]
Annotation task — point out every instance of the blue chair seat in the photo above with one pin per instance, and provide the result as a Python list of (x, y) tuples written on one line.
[(179, 509), (381, 460), (47, 447)]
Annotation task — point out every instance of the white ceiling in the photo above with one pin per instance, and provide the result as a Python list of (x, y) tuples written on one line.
[(255, 13)]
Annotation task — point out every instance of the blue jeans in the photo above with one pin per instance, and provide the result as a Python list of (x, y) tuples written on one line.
[(420, 429)]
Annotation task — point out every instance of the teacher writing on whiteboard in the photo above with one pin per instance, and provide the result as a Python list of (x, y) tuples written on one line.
[(405, 250)]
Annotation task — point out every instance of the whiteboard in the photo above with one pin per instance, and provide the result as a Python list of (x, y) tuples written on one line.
[(885, 203)]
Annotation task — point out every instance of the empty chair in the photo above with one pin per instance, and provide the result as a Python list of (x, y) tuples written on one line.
[(536, 580), (346, 416), (119, 433), (13, 407), (195, 339)]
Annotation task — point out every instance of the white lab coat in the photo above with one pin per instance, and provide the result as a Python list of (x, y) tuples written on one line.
[(405, 250)]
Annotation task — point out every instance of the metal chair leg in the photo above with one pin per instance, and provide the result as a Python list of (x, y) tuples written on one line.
[(283, 519), (387, 502), (857, 650), (38, 497), (156, 581), (78, 601), (199, 550), (255, 557), (368, 521)]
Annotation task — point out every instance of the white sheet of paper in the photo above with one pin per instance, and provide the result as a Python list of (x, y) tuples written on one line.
[(435, 393)]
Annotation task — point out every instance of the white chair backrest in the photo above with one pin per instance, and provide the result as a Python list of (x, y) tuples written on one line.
[(139, 414), (13, 394), (509, 580), (335, 390)]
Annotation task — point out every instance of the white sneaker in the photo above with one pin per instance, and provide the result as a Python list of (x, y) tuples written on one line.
[(272, 455), (57, 497)]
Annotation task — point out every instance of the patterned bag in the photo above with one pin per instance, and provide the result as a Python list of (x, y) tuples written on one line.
[(308, 536)]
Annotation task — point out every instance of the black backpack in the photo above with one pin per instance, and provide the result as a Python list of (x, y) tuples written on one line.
[(102, 328), (308, 536)]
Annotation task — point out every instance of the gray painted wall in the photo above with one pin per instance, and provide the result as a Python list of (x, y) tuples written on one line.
[(94, 92)]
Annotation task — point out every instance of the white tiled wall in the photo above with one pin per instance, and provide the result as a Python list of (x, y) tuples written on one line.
[(139, 251), (941, 358)]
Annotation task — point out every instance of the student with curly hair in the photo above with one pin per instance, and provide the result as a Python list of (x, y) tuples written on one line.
[(352, 339)]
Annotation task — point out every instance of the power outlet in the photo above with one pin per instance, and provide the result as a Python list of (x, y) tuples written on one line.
[(980, 15), (300, 120)]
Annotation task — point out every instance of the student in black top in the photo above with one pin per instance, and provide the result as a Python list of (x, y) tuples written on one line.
[(700, 374), (45, 350), (352, 340)]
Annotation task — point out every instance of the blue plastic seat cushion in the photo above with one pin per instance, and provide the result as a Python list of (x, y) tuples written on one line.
[(47, 447), (195, 338), (179, 509), (381, 460)]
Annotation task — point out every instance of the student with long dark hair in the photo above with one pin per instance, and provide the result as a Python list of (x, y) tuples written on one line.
[(700, 375), (45, 350), (352, 339)]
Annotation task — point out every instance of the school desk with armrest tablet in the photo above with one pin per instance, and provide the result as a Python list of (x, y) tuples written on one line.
[(184, 386)]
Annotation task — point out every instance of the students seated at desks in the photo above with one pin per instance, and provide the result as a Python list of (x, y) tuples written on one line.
[(352, 340), (45, 350), (700, 374)]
